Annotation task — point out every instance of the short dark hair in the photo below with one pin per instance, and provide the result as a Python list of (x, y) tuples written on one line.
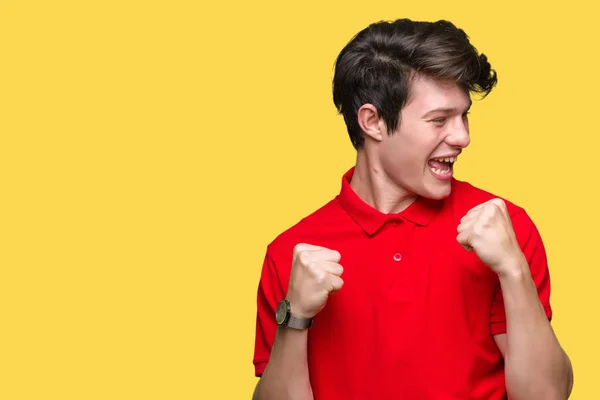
[(376, 67)]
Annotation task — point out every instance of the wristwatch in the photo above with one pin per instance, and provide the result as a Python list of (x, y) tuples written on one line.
[(284, 317)]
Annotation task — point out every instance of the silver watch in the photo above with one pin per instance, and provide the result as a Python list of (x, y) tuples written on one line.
[(284, 317)]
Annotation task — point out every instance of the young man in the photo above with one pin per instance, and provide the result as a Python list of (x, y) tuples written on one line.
[(409, 284)]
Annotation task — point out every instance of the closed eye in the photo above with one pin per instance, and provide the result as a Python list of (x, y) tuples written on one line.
[(438, 121), (441, 121)]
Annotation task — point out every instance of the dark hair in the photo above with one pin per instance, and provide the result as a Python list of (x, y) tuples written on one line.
[(376, 67)]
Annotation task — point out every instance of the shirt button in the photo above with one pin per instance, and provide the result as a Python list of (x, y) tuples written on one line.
[(397, 257), (395, 223)]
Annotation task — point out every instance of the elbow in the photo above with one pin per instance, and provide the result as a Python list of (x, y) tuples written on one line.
[(556, 392), (562, 386), (557, 389), (535, 389), (570, 375), (554, 382), (532, 393)]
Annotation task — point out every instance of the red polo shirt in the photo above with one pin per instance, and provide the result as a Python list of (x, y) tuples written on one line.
[(417, 313)]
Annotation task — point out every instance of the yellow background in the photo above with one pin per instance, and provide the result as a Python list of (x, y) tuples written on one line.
[(151, 150)]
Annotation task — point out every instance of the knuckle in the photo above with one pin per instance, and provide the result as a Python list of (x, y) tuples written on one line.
[(297, 251), (313, 266), (304, 258), (302, 247), (489, 212), (499, 204), (320, 278)]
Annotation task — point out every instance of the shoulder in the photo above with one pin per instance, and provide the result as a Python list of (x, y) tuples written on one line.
[(465, 196), (311, 229)]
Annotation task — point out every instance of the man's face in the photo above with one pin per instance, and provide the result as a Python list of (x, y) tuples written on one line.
[(432, 132)]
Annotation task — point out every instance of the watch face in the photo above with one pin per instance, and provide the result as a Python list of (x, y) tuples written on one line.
[(281, 312)]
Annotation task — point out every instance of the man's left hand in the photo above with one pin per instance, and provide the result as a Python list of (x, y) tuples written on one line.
[(487, 230)]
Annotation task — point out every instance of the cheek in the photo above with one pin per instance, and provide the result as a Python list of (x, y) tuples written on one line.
[(396, 152), (405, 154), (418, 153), (406, 160)]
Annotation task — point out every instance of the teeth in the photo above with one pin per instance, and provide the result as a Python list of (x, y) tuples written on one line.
[(447, 159), (439, 171)]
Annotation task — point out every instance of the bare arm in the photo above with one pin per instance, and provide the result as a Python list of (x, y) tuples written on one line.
[(536, 365), (286, 375), (315, 274)]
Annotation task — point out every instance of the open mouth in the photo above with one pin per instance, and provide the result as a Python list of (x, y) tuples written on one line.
[(442, 166)]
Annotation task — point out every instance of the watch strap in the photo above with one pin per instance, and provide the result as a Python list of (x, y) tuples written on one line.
[(299, 323)]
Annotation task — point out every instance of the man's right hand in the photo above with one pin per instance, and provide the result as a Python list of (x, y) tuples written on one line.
[(314, 276)]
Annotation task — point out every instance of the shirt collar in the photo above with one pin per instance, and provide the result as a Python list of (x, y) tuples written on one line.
[(420, 212)]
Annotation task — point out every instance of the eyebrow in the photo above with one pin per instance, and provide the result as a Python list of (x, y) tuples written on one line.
[(445, 110)]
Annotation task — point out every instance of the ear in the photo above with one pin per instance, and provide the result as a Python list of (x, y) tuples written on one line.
[(368, 119)]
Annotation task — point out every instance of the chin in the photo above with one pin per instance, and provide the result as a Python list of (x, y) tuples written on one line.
[(437, 192)]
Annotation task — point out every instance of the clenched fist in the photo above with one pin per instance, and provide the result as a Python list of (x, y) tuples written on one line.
[(487, 230), (314, 276)]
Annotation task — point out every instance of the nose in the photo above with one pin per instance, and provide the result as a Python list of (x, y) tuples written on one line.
[(459, 134)]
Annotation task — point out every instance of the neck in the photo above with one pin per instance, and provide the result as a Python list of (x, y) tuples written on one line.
[(375, 188)]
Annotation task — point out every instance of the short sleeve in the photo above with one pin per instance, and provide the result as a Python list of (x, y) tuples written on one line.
[(270, 292), (532, 247)]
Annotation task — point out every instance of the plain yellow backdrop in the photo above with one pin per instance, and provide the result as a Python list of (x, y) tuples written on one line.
[(150, 150)]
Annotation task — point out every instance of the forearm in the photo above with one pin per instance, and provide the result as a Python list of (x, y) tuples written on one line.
[(536, 365), (286, 375)]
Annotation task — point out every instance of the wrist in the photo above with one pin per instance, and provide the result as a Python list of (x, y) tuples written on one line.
[(514, 269), (285, 318), (296, 309)]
